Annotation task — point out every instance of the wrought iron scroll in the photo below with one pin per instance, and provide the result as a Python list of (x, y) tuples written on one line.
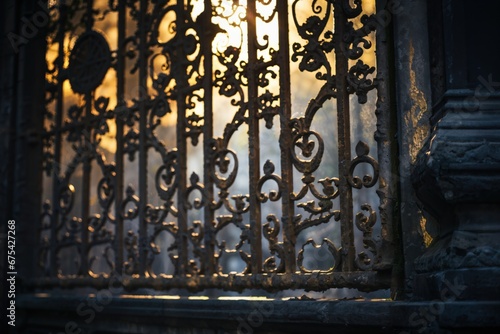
[(183, 58)]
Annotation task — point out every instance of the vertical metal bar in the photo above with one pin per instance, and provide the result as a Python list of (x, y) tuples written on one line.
[(24, 99), (121, 103), (344, 140), (182, 239), (84, 249), (86, 186), (386, 127), (253, 141), (143, 154), (382, 135), (57, 140), (285, 139), (206, 46)]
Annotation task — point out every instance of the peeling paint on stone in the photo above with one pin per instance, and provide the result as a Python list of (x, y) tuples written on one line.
[(415, 118), (425, 235)]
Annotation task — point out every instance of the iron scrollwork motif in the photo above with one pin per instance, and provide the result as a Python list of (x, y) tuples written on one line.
[(349, 44), (186, 220), (362, 151), (271, 232), (88, 63)]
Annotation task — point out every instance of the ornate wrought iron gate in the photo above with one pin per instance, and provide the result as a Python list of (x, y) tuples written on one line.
[(126, 77)]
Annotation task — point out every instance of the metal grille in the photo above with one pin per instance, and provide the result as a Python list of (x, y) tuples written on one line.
[(140, 184)]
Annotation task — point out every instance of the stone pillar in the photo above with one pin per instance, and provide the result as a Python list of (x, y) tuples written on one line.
[(458, 179), (458, 171), (7, 120), (29, 112), (413, 103)]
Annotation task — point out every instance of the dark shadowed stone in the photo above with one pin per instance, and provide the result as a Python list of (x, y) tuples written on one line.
[(457, 178)]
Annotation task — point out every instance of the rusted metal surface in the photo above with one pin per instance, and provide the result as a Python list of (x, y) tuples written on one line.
[(252, 73), (364, 281)]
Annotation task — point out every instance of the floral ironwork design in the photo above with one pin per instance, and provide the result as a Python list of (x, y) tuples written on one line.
[(181, 56)]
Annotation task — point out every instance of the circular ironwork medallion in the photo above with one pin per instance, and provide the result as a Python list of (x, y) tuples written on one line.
[(89, 61)]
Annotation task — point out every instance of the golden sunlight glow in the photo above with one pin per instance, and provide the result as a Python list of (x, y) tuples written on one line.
[(167, 297), (229, 17), (137, 296), (249, 298), (42, 295), (150, 297), (368, 9), (425, 235), (234, 23), (198, 298)]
